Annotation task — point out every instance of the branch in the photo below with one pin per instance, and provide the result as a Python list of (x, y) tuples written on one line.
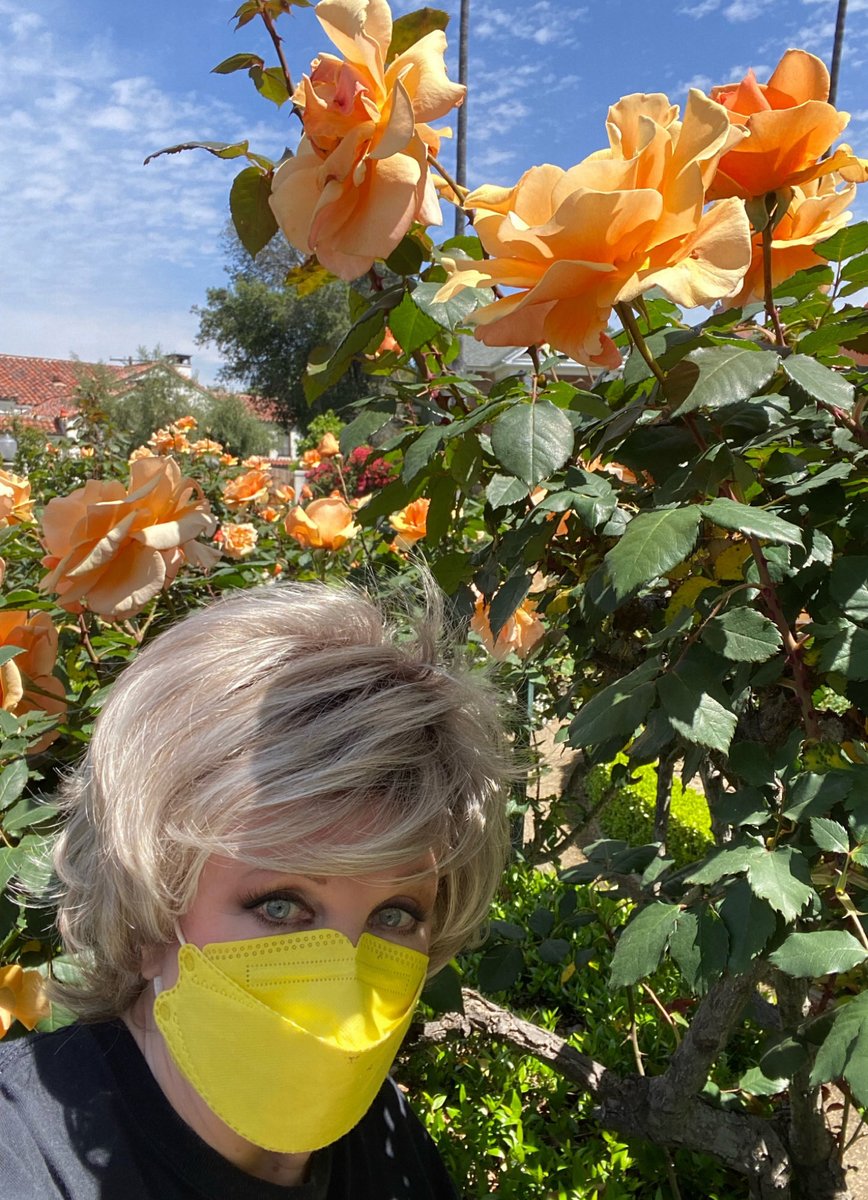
[(628, 1104)]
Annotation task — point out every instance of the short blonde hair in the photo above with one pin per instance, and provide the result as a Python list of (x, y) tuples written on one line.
[(292, 727)]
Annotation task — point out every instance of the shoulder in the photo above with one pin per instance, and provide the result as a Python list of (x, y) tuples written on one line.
[(391, 1139), (43, 1054)]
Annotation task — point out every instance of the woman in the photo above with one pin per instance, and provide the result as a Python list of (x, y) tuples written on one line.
[(288, 815)]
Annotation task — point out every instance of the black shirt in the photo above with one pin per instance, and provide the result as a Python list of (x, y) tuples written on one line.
[(82, 1118)]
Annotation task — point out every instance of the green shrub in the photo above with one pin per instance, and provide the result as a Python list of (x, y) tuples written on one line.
[(629, 814)]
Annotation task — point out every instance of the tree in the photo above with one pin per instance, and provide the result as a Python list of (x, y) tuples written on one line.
[(266, 331)]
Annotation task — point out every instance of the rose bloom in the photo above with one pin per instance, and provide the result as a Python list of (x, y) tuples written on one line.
[(411, 523), (27, 681), (185, 423), (791, 125), (816, 211), (16, 505), (360, 177), (85, 451), (519, 634), (206, 446), (269, 514), (329, 446), (238, 540), (573, 243), (311, 459), (248, 489), (111, 550), (169, 441), (324, 525), (257, 462), (140, 452), (283, 493), (22, 998), (228, 460)]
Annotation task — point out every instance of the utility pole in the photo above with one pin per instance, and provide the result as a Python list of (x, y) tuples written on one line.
[(837, 48), (461, 138)]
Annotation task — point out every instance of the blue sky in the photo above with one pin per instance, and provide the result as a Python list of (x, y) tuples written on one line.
[(102, 255)]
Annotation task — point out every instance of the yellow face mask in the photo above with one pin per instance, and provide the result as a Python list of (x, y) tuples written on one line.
[(288, 1038)]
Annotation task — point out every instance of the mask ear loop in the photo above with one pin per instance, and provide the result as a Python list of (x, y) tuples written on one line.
[(158, 979)]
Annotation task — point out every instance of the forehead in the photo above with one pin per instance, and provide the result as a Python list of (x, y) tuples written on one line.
[(222, 875)]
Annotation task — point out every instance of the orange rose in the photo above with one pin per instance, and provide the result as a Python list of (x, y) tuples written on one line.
[(27, 681), (816, 211), (791, 125), (206, 446), (268, 514), (283, 493), (85, 451), (111, 550), (518, 636), (248, 489), (324, 525), (228, 460), (185, 423), (411, 523), (311, 459), (329, 446), (238, 540), (257, 462), (169, 441), (360, 177), (570, 244), (140, 452), (22, 998), (15, 502)]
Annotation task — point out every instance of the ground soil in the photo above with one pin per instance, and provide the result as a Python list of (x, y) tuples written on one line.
[(558, 763)]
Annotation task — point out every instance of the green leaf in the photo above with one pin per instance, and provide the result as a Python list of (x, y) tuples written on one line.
[(811, 794), (450, 313), (756, 522), (700, 947), (13, 780), (408, 256), (412, 327), (308, 277), (532, 441), (500, 967), (237, 62), (642, 943), (725, 375), (362, 428), (819, 382), (830, 835), (503, 490), (847, 652), (413, 26), (695, 714), (844, 1053), (252, 217), (419, 453), (441, 491), (443, 991), (750, 922), (542, 920), (506, 600), (743, 635), (616, 711), (782, 878), (756, 1083), (322, 373), (845, 243), (553, 950), (848, 585), (810, 955), (218, 149), (652, 544)]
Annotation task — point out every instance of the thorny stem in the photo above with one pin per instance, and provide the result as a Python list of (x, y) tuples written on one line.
[(85, 641), (634, 1032), (460, 192), (771, 311), (284, 65), (792, 648), (631, 325), (655, 1000)]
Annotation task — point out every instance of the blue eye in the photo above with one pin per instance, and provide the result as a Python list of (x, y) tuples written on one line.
[(278, 908), (396, 918)]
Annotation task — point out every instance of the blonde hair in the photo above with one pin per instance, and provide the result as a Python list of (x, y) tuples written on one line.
[(291, 727)]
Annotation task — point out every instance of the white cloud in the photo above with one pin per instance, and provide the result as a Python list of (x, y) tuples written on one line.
[(543, 23), (700, 9)]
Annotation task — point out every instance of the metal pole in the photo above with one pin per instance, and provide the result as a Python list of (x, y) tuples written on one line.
[(836, 50), (461, 138)]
